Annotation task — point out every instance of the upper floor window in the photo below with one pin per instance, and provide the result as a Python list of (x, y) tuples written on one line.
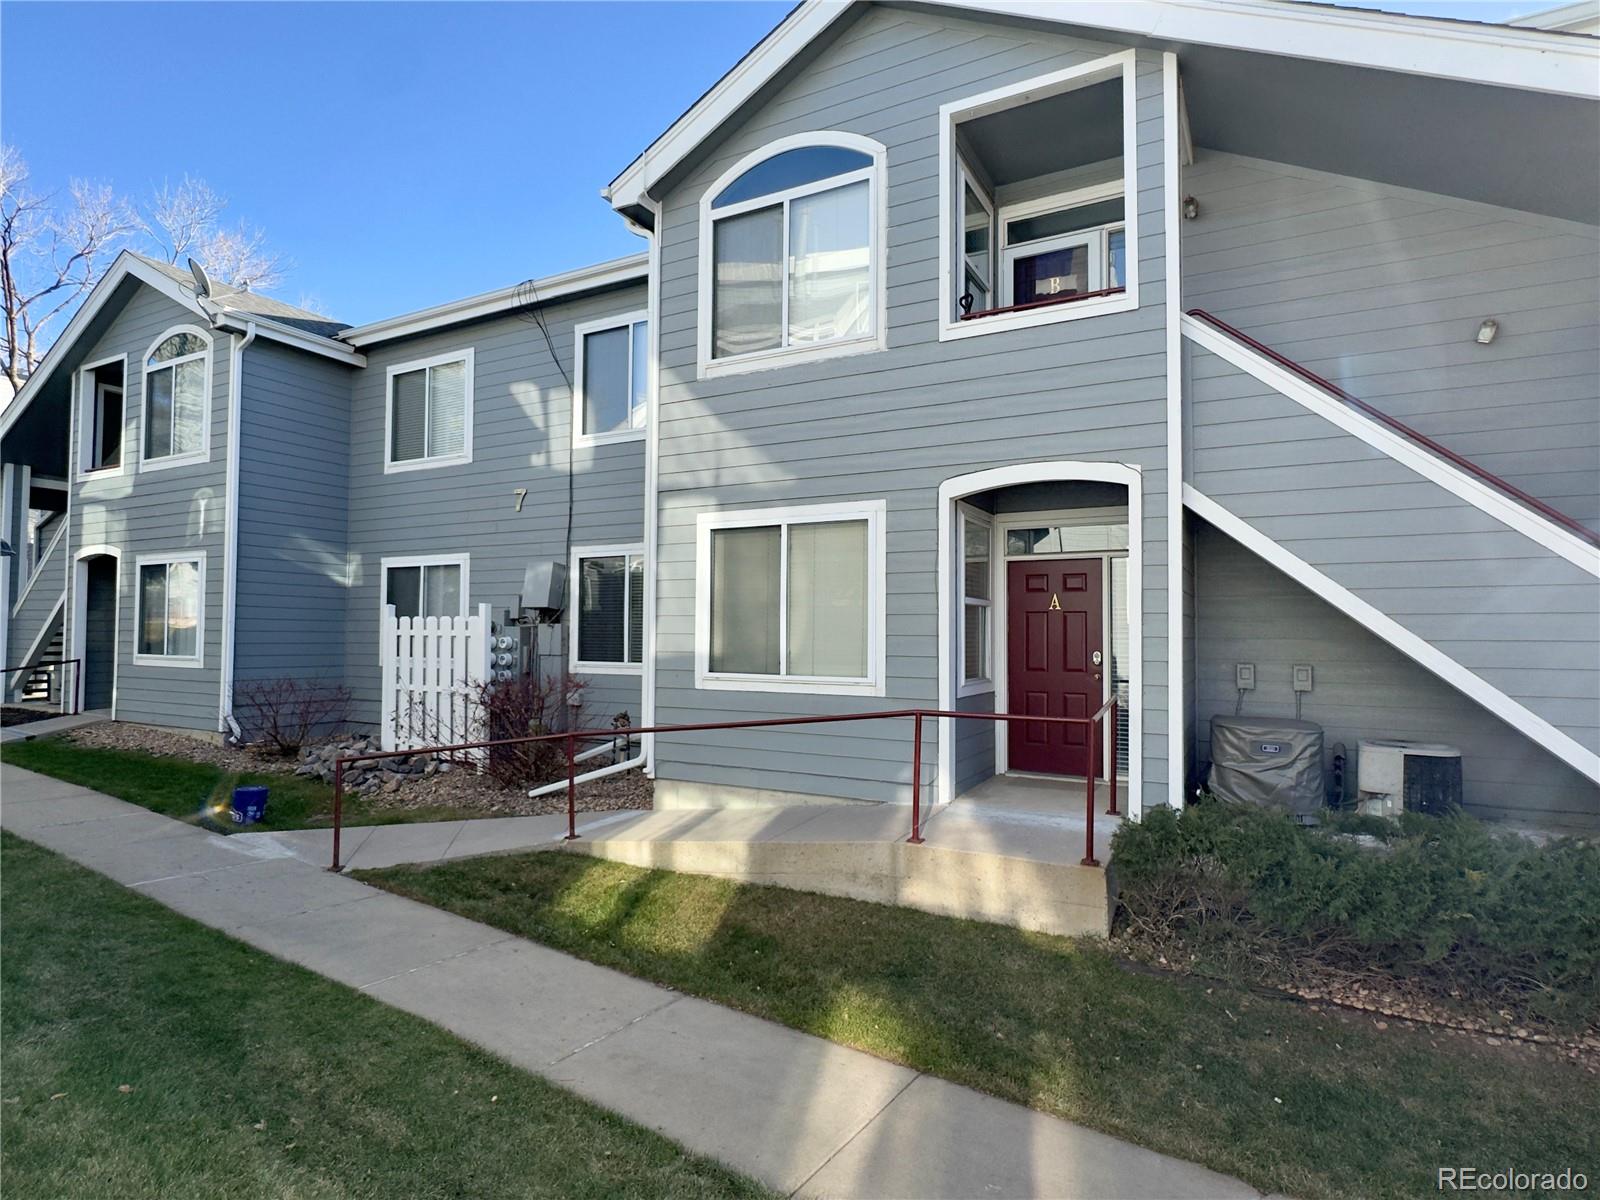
[(612, 393), (100, 416), (1037, 196), (430, 412), (177, 399), (792, 253)]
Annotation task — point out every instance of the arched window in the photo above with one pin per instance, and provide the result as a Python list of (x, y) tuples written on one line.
[(791, 245), (177, 392)]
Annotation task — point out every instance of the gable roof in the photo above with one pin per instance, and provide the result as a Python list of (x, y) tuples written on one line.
[(230, 309), (1527, 59), (252, 304)]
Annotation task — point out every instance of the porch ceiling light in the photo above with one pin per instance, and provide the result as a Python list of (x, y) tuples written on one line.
[(1487, 331)]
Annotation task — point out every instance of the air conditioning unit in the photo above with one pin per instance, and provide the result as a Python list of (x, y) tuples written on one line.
[(1396, 776)]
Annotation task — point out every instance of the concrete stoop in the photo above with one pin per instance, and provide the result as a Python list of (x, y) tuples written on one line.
[(1026, 893)]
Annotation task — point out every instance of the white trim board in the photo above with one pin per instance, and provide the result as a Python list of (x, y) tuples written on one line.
[(129, 264), (962, 486), (1482, 496), (1475, 53), (1172, 221), (502, 300), (1513, 713)]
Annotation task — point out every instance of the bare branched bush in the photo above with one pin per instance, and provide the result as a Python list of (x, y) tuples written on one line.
[(286, 713), (527, 707)]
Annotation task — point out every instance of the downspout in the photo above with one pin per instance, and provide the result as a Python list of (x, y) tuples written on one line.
[(230, 535), (647, 691)]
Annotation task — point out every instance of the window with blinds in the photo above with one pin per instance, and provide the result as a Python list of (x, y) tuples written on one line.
[(613, 380), (793, 600), (430, 412), (610, 616)]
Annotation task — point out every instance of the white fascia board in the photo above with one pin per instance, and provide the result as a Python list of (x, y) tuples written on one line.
[(124, 265), (631, 269), (749, 75), (1529, 59), (240, 322)]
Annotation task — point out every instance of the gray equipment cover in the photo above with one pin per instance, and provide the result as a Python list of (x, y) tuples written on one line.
[(1268, 761)]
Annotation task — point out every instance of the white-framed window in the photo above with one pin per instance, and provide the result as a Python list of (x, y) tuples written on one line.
[(170, 616), (100, 417), (1043, 236), (608, 609), (177, 399), (792, 599), (1064, 246), (428, 585), (791, 254), (977, 603), (611, 388), (428, 412)]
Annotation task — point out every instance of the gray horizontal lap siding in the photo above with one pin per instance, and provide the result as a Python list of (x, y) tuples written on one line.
[(1518, 616), (1381, 290), (160, 512), (294, 482), (1249, 612), (893, 425), (36, 609), (522, 414)]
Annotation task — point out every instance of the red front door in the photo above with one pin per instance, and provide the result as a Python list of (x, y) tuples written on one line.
[(1054, 660)]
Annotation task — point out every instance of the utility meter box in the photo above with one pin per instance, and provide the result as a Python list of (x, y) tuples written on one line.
[(544, 586), (1274, 762)]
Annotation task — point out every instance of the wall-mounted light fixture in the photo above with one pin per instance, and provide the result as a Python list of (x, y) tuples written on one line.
[(1191, 208), (1487, 331)]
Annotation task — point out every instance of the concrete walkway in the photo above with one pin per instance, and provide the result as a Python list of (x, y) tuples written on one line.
[(803, 1115), (53, 725)]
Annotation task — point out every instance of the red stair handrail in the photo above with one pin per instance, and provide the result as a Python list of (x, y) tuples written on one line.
[(1422, 439)]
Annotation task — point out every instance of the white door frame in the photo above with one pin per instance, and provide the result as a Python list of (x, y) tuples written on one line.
[(963, 486), (80, 616)]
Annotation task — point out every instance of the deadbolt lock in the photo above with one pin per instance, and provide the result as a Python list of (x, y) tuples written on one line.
[(1095, 658)]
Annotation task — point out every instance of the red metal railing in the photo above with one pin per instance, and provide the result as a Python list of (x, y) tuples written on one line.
[(1400, 427), (77, 683), (571, 737)]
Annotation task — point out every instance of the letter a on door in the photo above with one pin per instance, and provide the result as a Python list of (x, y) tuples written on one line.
[(1055, 602)]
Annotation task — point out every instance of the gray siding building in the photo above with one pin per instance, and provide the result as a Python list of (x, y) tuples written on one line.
[(986, 358)]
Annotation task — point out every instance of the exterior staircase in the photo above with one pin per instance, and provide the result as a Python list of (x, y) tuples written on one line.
[(1491, 589)]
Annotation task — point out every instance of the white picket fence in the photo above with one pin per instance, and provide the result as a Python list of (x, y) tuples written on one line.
[(433, 668)]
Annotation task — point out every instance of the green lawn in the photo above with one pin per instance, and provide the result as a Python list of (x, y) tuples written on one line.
[(147, 1056), (1312, 1104), (177, 787)]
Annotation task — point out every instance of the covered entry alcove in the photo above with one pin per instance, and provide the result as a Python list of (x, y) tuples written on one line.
[(1039, 613)]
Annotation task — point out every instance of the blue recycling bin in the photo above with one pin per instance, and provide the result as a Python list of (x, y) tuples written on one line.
[(249, 804)]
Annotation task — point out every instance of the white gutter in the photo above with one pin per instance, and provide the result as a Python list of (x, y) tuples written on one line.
[(560, 785), (652, 487), (506, 299), (230, 553)]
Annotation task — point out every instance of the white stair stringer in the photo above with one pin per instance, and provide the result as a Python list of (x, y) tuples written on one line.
[(1470, 684)]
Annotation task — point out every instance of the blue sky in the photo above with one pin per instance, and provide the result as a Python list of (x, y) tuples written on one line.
[(400, 154)]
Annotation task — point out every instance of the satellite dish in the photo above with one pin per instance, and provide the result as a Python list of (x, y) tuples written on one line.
[(202, 282)]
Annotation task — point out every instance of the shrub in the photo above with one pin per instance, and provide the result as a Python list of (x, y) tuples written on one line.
[(527, 707), (1440, 900), (287, 712)]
